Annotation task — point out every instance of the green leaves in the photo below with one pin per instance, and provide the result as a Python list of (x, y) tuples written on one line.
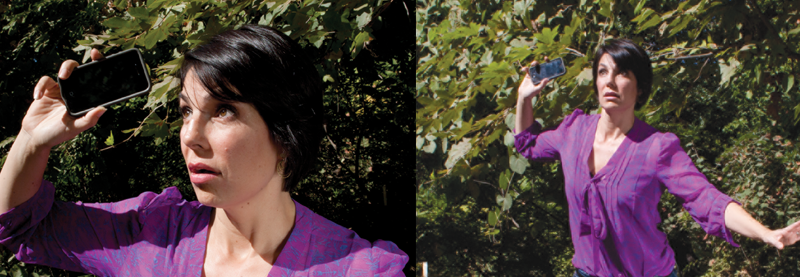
[(547, 35), (110, 140), (517, 163), (363, 19), (359, 42), (728, 70), (117, 23), (457, 152), (493, 215), (505, 180)]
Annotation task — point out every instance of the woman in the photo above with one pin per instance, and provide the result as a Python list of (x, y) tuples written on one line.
[(252, 123), (616, 168)]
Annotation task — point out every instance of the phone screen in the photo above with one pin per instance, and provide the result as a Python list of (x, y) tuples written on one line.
[(102, 83), (550, 70)]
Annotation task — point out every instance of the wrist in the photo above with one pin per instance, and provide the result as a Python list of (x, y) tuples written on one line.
[(764, 234), (521, 100), (29, 145)]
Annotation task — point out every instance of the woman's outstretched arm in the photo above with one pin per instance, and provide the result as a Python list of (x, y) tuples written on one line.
[(738, 220)]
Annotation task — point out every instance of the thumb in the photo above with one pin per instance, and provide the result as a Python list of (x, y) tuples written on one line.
[(89, 119), (777, 242)]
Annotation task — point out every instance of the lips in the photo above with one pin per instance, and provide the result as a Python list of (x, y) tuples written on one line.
[(609, 94), (200, 173)]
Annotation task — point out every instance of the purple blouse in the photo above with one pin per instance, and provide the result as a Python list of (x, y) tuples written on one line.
[(164, 235), (613, 216)]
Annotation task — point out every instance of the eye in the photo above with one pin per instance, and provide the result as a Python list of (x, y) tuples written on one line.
[(185, 112), (602, 72), (225, 111)]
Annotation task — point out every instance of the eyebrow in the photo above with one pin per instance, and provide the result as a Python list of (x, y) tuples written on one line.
[(207, 97)]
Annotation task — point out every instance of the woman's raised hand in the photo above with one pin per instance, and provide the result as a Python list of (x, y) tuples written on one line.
[(527, 89), (47, 122)]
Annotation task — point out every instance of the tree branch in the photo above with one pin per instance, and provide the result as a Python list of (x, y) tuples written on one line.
[(691, 56), (701, 71), (576, 52)]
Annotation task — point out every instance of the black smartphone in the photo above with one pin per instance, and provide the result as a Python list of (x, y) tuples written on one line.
[(104, 82), (550, 70)]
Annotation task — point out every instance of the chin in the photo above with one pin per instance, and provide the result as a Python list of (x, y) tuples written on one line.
[(205, 197), (614, 107)]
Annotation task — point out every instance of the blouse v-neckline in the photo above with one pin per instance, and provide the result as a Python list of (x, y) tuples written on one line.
[(613, 161)]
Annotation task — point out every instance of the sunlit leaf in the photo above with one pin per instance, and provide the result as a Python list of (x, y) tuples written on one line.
[(457, 152)]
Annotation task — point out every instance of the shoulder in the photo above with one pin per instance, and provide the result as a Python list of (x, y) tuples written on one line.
[(577, 118), (168, 198), (331, 245), (668, 142), (167, 205)]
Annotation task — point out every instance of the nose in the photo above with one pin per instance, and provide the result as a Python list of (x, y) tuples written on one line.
[(193, 134), (611, 82)]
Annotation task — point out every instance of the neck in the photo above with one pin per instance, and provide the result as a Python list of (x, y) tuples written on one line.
[(259, 226), (614, 125)]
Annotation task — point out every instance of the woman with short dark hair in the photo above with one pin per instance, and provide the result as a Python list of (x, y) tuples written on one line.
[(616, 167), (251, 103)]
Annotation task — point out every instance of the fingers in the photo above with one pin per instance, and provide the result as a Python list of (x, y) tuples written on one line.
[(96, 55), (45, 84), (66, 69), (542, 83), (524, 69), (89, 119), (534, 64), (795, 226)]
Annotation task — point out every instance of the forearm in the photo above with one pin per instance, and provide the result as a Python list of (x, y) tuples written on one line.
[(22, 172), (524, 114), (738, 220)]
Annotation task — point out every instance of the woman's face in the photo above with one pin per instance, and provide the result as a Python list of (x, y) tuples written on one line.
[(227, 147), (617, 90)]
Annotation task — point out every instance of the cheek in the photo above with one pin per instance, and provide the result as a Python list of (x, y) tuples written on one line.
[(629, 85), (183, 144)]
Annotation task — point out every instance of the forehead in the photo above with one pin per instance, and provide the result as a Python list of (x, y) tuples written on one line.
[(607, 60), (193, 90)]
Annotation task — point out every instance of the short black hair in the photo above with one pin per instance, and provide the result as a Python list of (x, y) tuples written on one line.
[(264, 67), (628, 56)]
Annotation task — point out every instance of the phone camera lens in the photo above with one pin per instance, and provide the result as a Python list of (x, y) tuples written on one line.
[(71, 94)]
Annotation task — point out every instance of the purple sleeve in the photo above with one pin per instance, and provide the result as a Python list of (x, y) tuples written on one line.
[(701, 199), (79, 237), (382, 258), (544, 145)]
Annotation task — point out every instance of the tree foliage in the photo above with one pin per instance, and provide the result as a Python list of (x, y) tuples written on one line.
[(363, 61), (724, 82)]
